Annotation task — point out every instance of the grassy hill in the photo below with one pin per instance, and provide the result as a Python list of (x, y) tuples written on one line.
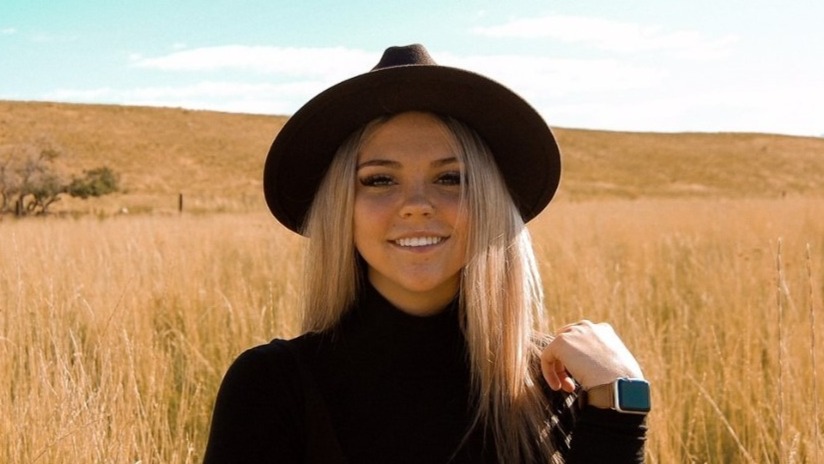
[(216, 158), (599, 163)]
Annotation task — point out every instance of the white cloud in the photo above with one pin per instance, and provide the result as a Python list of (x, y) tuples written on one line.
[(8, 31), (90, 95), (614, 36), (536, 76), (52, 38), (219, 96), (327, 63), (708, 110)]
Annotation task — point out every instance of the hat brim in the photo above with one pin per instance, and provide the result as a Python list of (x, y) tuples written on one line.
[(523, 145)]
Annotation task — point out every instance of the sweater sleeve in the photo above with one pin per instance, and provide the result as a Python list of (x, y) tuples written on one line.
[(604, 435), (592, 435), (258, 415)]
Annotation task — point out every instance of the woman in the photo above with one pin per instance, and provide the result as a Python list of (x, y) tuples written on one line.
[(423, 315)]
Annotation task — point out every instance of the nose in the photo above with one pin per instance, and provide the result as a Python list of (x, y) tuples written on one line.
[(416, 202)]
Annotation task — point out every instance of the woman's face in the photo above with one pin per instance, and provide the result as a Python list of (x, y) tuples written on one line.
[(410, 225)]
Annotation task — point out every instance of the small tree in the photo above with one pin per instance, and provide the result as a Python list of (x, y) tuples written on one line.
[(31, 180), (42, 191)]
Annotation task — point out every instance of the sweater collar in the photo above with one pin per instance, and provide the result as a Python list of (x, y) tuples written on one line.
[(377, 327), (381, 310)]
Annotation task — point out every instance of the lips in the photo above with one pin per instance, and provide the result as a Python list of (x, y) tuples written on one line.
[(418, 241)]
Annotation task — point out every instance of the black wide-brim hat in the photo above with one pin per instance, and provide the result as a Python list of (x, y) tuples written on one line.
[(408, 79)]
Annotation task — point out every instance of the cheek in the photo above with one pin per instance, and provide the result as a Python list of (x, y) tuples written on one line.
[(456, 213), (367, 219)]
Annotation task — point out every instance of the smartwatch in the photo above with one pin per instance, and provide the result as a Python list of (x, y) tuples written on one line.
[(628, 396)]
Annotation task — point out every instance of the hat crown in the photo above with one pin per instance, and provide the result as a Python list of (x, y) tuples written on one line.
[(408, 55)]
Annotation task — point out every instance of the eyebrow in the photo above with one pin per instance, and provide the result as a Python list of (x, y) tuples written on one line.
[(394, 164)]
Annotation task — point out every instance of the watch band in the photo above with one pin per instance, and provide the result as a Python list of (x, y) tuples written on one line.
[(601, 396)]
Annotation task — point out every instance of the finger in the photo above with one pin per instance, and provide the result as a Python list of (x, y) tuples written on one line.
[(550, 373), (554, 370), (557, 377), (567, 382)]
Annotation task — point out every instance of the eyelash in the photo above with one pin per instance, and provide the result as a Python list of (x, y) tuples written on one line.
[(383, 180), (450, 178), (377, 180)]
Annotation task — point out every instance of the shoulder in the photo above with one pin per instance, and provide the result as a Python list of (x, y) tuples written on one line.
[(259, 409), (263, 383), (275, 361)]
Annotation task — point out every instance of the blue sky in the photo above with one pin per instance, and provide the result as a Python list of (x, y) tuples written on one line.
[(644, 65)]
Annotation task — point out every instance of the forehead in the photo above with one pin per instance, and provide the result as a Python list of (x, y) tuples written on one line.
[(410, 134)]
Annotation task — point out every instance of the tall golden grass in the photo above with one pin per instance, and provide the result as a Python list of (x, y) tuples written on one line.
[(115, 332), (715, 298)]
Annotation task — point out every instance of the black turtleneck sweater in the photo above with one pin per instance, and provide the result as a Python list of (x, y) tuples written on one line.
[(382, 387)]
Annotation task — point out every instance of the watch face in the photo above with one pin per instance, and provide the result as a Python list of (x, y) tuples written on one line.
[(632, 395)]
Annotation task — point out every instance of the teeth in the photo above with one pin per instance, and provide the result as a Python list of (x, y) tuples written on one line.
[(418, 241)]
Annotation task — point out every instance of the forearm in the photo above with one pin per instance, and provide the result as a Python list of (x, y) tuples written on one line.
[(602, 435)]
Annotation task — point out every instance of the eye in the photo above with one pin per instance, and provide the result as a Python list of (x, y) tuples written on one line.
[(377, 180), (449, 178)]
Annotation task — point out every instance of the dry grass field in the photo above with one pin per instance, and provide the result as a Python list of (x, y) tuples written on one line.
[(705, 251)]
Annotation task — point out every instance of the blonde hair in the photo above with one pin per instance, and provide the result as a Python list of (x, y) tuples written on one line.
[(501, 297), (331, 271)]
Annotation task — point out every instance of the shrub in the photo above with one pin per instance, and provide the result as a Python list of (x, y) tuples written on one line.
[(94, 183)]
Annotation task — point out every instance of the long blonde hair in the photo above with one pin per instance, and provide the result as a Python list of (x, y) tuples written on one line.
[(501, 298)]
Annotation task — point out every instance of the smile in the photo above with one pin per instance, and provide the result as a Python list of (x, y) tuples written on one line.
[(418, 241)]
